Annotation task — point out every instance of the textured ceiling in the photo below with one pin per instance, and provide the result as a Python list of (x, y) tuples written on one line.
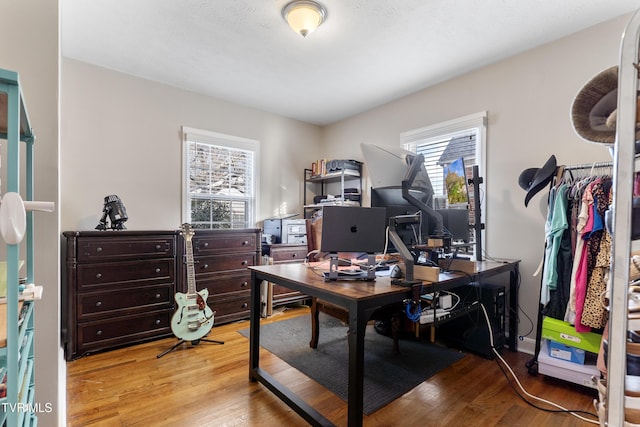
[(367, 53)]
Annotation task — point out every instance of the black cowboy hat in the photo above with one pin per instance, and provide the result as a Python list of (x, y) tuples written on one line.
[(532, 180)]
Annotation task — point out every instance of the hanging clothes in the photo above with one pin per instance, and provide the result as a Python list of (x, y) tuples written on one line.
[(594, 314), (558, 270), (581, 210), (582, 271)]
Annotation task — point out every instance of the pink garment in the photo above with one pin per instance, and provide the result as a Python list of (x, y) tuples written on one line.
[(583, 217), (582, 272)]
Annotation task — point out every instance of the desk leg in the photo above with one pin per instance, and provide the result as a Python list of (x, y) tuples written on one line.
[(514, 277), (357, 325), (254, 331)]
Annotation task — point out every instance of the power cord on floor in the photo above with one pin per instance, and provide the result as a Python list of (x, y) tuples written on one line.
[(513, 375)]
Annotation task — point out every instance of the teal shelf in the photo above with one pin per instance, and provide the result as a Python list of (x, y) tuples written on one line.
[(10, 79), (15, 127)]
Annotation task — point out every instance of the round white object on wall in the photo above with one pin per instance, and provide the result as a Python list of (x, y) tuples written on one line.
[(13, 218)]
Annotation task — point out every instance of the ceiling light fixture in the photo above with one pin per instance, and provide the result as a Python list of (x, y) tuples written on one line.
[(304, 16)]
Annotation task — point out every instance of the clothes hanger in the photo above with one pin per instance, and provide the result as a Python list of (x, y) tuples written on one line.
[(559, 175)]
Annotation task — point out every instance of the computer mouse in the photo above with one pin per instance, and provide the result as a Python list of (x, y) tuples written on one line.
[(396, 272)]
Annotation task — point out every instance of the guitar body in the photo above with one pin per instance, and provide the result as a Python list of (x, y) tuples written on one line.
[(194, 318)]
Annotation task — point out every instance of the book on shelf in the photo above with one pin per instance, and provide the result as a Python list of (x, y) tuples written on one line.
[(319, 168)]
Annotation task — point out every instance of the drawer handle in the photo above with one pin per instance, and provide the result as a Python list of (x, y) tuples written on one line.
[(157, 321), (294, 255), (157, 296), (99, 276), (157, 270), (244, 284), (158, 247), (245, 305), (98, 304), (245, 262), (205, 266), (99, 249), (205, 245), (245, 243), (99, 332)]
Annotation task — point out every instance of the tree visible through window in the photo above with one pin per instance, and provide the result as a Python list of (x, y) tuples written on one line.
[(218, 183)]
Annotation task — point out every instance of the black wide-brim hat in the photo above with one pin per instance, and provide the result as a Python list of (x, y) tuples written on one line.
[(532, 180), (594, 108)]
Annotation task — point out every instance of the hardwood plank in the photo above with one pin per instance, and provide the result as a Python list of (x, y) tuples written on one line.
[(208, 385)]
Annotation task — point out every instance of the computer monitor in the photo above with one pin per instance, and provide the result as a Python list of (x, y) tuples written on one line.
[(401, 184), (391, 199), (386, 165), (456, 184), (456, 224)]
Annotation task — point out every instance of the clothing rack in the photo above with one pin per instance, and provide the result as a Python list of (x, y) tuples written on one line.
[(532, 364), (595, 165)]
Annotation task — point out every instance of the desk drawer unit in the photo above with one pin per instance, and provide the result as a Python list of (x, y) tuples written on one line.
[(119, 288), (221, 261), (284, 254)]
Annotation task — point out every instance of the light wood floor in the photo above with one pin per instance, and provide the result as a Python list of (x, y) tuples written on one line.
[(208, 385)]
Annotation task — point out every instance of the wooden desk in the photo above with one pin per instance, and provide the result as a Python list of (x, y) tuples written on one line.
[(361, 299)]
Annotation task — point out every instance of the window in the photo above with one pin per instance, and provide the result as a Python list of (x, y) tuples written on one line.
[(443, 143), (219, 180)]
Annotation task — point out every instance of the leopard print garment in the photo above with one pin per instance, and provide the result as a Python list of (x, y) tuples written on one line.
[(594, 314)]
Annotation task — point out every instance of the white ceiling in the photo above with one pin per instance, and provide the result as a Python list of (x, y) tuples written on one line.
[(367, 53)]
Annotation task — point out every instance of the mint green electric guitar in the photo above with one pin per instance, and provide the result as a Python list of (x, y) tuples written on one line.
[(194, 318)]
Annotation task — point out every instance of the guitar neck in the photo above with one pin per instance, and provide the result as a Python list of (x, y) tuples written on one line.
[(191, 274)]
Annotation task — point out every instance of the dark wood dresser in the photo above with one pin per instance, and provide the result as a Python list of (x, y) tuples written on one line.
[(119, 286), (221, 261)]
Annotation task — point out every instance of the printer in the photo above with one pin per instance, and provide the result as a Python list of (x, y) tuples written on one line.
[(285, 230)]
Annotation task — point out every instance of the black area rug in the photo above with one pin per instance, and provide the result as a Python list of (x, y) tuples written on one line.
[(387, 376)]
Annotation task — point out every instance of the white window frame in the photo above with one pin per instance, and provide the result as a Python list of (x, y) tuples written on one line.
[(452, 128), (228, 141)]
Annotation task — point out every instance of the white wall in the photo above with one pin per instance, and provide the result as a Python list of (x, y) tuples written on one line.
[(29, 32), (121, 135), (528, 98)]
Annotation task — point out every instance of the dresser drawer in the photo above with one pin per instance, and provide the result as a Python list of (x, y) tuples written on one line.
[(226, 283), (122, 330), (210, 244), (125, 274), (220, 263), (116, 303), (237, 307), (288, 254), (92, 249)]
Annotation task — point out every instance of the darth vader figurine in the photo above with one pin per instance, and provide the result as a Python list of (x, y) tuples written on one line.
[(117, 213)]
